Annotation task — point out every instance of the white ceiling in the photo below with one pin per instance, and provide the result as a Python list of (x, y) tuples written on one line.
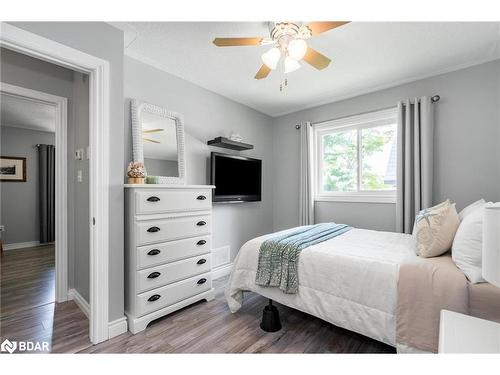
[(366, 56), (25, 113)]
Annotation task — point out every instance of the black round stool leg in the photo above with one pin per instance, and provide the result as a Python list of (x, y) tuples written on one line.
[(270, 318)]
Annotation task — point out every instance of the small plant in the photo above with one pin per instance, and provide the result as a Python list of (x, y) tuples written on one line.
[(136, 170)]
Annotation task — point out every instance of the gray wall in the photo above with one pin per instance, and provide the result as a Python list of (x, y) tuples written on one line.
[(466, 139), (25, 71), (208, 115), (106, 42), (19, 203)]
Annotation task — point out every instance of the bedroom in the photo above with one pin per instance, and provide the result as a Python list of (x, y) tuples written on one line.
[(390, 130)]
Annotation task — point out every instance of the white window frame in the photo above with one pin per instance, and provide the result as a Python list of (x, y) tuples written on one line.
[(358, 122)]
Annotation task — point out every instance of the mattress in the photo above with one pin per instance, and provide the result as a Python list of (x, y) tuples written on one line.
[(349, 281)]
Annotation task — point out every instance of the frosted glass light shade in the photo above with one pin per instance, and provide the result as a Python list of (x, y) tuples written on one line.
[(271, 57), (491, 245), (297, 49), (291, 65)]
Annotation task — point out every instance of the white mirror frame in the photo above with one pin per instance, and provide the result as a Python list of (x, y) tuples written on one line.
[(137, 107)]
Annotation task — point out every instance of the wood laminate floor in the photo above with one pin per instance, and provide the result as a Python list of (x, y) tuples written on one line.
[(205, 327), (28, 311), (209, 327)]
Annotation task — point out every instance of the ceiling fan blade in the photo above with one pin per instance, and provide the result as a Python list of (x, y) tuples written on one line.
[(320, 27), (153, 130), (150, 140), (263, 72), (232, 42), (316, 59)]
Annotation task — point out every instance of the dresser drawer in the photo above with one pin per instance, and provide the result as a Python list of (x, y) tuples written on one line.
[(153, 231), (153, 255), (157, 201), (168, 295), (168, 273)]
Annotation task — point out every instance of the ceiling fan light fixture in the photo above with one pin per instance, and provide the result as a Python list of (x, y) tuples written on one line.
[(291, 65), (297, 49), (271, 58)]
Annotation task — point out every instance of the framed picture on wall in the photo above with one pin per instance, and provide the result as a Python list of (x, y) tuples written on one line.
[(12, 169)]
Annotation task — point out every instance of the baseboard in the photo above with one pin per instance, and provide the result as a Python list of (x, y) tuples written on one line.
[(222, 271), (117, 327), (80, 301), (20, 245)]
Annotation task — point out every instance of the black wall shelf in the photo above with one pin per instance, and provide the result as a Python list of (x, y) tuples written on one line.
[(227, 143)]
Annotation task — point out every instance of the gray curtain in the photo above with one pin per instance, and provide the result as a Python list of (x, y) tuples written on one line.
[(415, 160), (46, 192), (306, 200)]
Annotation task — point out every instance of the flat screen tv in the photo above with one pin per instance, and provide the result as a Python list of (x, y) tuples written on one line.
[(236, 178)]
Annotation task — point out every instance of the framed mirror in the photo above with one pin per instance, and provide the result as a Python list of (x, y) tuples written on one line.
[(158, 142)]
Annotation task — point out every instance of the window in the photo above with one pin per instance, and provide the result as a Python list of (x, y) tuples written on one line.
[(356, 158)]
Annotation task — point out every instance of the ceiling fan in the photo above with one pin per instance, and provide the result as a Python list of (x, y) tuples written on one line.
[(289, 42), (151, 131)]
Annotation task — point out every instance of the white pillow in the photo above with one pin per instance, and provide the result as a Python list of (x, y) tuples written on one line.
[(470, 208), (435, 229), (467, 246)]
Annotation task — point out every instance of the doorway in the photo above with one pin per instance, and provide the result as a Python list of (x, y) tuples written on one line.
[(97, 69)]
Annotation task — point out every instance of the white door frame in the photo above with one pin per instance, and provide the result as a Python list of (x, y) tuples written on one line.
[(31, 44), (61, 184)]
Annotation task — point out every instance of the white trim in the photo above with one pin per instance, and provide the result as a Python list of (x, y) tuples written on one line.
[(98, 70), (222, 271), (356, 197), (117, 327), (61, 181), (81, 302), (20, 245)]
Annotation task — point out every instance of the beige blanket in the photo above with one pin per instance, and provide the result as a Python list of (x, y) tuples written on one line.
[(425, 287)]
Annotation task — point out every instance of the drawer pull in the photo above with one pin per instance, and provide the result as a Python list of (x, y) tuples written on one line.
[(200, 223), (202, 281), (153, 229), (153, 199), (154, 252), (201, 197), (153, 275), (154, 297), (201, 261), (201, 242)]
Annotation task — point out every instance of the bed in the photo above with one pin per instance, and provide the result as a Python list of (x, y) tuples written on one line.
[(372, 283), (349, 281)]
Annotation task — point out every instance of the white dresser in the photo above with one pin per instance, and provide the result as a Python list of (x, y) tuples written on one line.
[(168, 250)]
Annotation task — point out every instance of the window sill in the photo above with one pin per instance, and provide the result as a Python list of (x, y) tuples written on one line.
[(355, 198)]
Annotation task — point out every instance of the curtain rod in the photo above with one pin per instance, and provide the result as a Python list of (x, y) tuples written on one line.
[(434, 99)]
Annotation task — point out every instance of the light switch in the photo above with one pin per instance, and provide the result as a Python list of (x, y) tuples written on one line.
[(79, 175)]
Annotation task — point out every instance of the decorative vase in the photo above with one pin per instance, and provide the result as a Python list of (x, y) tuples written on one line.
[(136, 180)]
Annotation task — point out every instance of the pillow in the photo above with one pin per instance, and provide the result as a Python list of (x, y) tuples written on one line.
[(471, 207), (435, 228), (466, 251)]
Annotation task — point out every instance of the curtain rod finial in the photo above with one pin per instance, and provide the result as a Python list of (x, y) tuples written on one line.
[(297, 126), (435, 98)]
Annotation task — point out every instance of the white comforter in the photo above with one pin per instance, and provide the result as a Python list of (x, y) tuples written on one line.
[(349, 281)]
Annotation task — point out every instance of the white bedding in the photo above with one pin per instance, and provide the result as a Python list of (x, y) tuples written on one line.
[(349, 281)]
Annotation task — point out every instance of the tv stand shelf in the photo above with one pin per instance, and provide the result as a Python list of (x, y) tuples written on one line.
[(227, 143)]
